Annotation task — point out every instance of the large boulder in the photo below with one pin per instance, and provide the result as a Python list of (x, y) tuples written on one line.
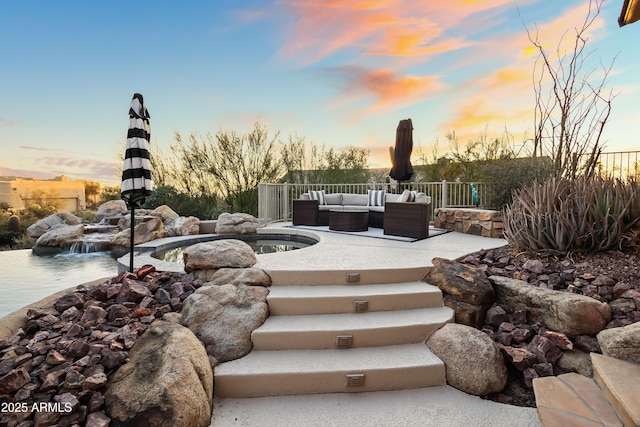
[(236, 223), (111, 208), (69, 218), (184, 226), (224, 318), (57, 236), (473, 361), (564, 312), (234, 276), (164, 212), (218, 254), (143, 232), (466, 290), (167, 382), (40, 227), (621, 343)]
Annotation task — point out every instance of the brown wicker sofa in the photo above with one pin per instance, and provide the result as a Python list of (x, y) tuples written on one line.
[(394, 213)]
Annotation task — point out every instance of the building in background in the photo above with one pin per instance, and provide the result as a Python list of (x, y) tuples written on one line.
[(64, 194)]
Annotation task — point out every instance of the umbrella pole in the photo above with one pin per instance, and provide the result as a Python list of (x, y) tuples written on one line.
[(133, 209)]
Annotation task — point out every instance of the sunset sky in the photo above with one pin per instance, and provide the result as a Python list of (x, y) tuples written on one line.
[(336, 72)]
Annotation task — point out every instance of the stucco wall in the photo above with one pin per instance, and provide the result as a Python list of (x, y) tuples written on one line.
[(68, 195)]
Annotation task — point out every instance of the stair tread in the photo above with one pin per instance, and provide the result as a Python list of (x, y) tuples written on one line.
[(619, 381), (351, 290), (327, 299), (355, 321), (574, 399), (354, 359)]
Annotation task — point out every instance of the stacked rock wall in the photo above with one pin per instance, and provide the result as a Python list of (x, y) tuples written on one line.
[(480, 222)]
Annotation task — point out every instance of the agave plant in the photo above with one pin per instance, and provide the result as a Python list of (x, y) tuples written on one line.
[(560, 215)]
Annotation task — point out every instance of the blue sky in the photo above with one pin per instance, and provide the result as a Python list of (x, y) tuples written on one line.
[(336, 72)]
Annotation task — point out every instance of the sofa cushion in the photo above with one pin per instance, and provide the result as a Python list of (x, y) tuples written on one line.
[(354, 199), (376, 208), (408, 196), (423, 198), (390, 197), (376, 197), (333, 199), (329, 207), (317, 195)]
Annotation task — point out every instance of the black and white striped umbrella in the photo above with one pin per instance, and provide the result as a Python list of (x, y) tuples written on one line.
[(136, 173)]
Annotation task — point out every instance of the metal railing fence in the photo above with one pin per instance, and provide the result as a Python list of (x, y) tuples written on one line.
[(275, 200), (619, 164)]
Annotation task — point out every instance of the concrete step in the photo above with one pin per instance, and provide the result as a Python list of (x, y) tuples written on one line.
[(298, 276), (620, 382), (573, 400), (328, 299), (371, 329), (292, 372)]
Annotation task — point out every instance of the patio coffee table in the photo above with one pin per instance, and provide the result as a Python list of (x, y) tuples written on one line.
[(349, 220)]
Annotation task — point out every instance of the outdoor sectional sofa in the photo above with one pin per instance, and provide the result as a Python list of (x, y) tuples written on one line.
[(405, 214)]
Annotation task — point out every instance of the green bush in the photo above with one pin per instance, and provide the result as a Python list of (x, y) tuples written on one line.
[(560, 216), (502, 177), (86, 216), (202, 207)]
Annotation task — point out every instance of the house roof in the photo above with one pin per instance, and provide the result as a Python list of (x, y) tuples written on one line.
[(630, 12)]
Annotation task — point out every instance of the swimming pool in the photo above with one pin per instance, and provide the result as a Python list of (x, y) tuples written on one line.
[(260, 243)]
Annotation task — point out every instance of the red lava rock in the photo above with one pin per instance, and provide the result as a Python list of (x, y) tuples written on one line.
[(97, 419), (521, 358), (94, 382), (559, 339), (141, 311), (132, 291), (543, 369), (13, 380), (144, 271), (68, 301), (92, 314)]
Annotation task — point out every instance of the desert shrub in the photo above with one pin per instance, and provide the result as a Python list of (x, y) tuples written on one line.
[(502, 177), (202, 207), (24, 241), (86, 216), (559, 215)]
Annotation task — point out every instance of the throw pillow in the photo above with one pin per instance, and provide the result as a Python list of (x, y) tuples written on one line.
[(404, 197), (317, 195), (376, 198)]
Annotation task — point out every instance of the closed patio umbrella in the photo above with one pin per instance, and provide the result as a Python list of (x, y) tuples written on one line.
[(136, 173), (401, 169), (630, 12)]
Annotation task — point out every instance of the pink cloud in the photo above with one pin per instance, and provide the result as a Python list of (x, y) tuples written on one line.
[(7, 122), (383, 27), (34, 148), (389, 89)]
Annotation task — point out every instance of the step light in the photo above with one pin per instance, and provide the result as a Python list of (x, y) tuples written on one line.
[(360, 306), (344, 341), (355, 380), (353, 277)]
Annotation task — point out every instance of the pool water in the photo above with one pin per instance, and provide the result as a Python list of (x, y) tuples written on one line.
[(27, 278), (260, 246)]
